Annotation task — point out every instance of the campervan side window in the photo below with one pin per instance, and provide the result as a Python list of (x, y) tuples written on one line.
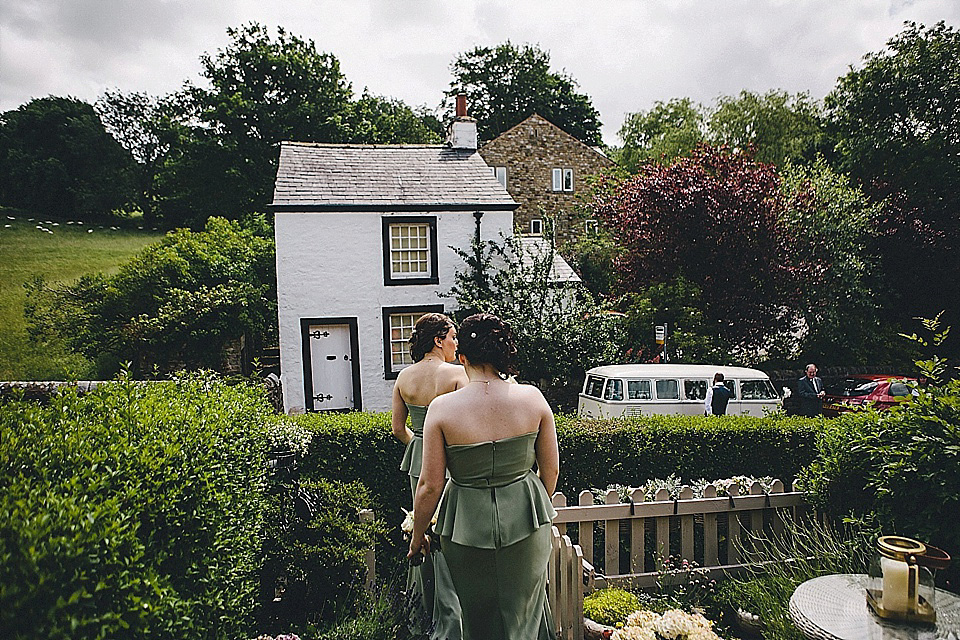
[(757, 390), (639, 390), (614, 390), (695, 389), (668, 390), (594, 387)]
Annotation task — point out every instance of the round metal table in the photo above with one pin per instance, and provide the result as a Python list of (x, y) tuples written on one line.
[(834, 607)]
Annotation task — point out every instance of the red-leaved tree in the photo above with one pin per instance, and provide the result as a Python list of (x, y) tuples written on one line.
[(712, 218)]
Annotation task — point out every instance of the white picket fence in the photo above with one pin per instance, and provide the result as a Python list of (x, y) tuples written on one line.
[(687, 528)]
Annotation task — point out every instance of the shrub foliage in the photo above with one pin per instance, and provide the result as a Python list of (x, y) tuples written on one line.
[(133, 511)]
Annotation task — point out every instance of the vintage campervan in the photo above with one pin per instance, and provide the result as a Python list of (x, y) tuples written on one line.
[(641, 389)]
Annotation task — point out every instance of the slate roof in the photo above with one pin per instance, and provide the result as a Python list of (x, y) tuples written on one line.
[(538, 246), (338, 177)]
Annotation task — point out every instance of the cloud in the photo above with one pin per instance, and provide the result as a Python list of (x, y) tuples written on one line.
[(625, 54)]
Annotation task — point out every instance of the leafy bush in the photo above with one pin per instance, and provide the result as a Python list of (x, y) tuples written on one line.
[(314, 550), (902, 465), (132, 511), (805, 550), (178, 304), (610, 606), (597, 453)]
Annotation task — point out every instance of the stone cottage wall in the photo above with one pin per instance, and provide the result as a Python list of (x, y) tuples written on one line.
[(530, 151)]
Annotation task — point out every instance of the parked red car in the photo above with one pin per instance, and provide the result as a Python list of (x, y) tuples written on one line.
[(862, 391)]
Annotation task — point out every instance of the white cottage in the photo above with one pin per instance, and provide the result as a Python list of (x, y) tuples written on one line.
[(364, 236)]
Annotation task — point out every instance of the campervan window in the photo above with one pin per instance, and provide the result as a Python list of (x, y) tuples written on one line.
[(594, 386), (757, 390), (614, 389), (695, 389), (668, 390), (639, 390)]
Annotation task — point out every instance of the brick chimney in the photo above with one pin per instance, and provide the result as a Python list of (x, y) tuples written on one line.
[(463, 129)]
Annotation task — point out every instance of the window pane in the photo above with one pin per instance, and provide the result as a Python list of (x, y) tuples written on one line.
[(695, 389), (756, 390), (614, 390), (558, 180), (410, 249), (401, 326), (668, 390), (639, 390), (568, 179), (594, 386)]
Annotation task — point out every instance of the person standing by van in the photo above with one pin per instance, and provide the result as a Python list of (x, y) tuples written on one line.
[(810, 390), (717, 398)]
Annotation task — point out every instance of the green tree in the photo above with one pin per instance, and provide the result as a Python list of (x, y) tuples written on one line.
[(896, 123), (560, 333), (779, 126), (177, 304), (839, 302), (667, 131), (146, 127), (381, 120), (260, 90), (57, 159), (506, 84)]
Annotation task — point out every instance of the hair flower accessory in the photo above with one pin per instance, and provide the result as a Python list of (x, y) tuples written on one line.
[(473, 334)]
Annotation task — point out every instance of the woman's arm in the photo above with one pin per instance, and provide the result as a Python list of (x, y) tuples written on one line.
[(548, 452), (398, 417), (432, 479)]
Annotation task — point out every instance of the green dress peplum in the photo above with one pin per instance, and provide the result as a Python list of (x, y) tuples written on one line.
[(434, 605), (494, 524)]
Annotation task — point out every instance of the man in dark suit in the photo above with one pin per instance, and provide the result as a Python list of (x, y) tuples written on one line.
[(810, 392)]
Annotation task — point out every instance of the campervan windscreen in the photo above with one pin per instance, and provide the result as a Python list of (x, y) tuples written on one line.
[(594, 386)]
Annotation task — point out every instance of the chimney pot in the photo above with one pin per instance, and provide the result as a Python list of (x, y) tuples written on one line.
[(461, 105)]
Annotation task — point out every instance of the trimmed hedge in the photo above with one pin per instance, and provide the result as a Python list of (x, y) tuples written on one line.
[(593, 453), (132, 511)]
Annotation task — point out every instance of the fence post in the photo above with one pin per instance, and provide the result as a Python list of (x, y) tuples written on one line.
[(560, 500), (370, 555), (611, 539), (711, 556), (586, 528), (733, 528), (637, 534), (553, 578), (686, 528), (663, 529)]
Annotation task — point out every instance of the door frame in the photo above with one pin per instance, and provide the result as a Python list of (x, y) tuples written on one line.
[(305, 324)]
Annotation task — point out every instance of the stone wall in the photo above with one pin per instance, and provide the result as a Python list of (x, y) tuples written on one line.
[(530, 151)]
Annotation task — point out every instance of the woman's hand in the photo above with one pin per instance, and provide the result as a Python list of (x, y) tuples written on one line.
[(418, 545)]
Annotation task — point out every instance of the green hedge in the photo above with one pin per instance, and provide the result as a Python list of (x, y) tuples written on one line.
[(132, 511), (593, 453)]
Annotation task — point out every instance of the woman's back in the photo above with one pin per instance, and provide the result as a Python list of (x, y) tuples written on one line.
[(420, 383), (483, 411)]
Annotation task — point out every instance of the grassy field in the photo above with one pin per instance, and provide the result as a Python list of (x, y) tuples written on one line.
[(66, 252)]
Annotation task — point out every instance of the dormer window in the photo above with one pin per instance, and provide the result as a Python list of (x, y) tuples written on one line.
[(563, 179), (501, 174), (409, 250)]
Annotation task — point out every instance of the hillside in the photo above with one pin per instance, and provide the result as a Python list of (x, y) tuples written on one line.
[(61, 253)]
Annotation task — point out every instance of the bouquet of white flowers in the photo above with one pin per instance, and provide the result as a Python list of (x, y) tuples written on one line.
[(673, 624)]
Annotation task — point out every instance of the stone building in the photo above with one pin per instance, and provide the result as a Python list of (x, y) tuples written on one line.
[(543, 169)]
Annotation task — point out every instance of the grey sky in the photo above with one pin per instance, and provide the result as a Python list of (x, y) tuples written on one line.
[(624, 54)]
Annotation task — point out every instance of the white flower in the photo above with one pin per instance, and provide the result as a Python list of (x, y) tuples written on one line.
[(407, 525)]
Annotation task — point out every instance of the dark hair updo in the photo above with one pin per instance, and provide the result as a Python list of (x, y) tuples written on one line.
[(429, 327), (486, 339)]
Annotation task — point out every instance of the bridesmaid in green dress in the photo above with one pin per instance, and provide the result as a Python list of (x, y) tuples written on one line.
[(433, 346), (494, 523)]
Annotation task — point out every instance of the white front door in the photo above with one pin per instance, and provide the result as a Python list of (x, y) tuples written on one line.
[(331, 367)]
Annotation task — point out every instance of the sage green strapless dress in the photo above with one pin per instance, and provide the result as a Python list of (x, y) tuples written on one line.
[(494, 525), (435, 608)]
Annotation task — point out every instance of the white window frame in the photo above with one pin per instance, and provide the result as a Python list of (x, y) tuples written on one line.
[(591, 227), (562, 179), (536, 227)]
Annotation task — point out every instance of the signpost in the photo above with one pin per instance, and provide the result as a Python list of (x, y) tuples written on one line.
[(661, 335)]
